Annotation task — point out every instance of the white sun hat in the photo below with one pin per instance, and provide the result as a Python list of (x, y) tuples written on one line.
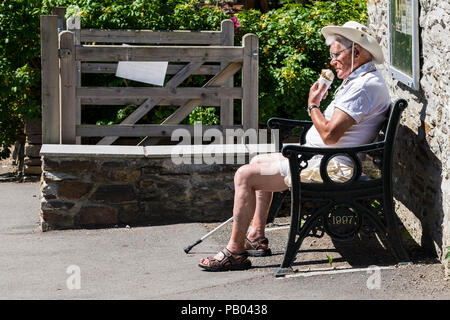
[(359, 34)]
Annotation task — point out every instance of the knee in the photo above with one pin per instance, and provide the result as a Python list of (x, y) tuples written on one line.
[(256, 159), (242, 175), (260, 158)]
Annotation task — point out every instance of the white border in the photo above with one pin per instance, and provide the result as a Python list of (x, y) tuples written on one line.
[(414, 81)]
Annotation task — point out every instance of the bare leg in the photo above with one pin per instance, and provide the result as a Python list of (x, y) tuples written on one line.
[(258, 226), (253, 195), (254, 185), (263, 200)]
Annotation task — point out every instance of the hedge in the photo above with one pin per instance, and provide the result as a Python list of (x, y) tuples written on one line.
[(292, 51)]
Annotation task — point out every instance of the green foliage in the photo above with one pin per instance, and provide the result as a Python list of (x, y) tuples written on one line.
[(447, 256), (19, 68), (375, 204), (143, 14), (330, 260), (293, 51), (204, 115)]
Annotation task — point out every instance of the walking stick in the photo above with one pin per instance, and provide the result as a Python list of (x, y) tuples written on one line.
[(188, 248)]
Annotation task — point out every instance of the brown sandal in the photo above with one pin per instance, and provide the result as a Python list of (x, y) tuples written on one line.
[(225, 260), (258, 247)]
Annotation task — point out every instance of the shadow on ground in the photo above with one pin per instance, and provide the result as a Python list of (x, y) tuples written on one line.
[(323, 253)]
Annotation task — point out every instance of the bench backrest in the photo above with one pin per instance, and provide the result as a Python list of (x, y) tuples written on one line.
[(389, 132), (394, 119)]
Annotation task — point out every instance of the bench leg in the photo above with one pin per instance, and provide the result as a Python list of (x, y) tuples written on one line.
[(290, 252), (291, 246), (313, 221)]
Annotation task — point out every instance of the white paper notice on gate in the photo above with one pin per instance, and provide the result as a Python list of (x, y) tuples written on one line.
[(151, 72)]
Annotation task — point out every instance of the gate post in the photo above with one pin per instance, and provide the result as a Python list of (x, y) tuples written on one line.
[(74, 25), (50, 79), (68, 87), (250, 82), (226, 105)]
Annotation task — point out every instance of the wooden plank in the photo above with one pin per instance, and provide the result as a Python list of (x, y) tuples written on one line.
[(182, 112), (50, 79), (226, 105), (138, 101), (154, 92), (141, 130), (68, 88), (74, 25), (148, 105), (159, 53), (215, 82), (148, 36), (94, 101), (250, 82), (211, 102), (171, 68), (98, 67)]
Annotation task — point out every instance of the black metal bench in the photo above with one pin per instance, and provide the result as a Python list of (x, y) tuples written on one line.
[(363, 204)]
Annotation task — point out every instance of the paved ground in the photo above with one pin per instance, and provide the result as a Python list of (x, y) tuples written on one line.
[(148, 262)]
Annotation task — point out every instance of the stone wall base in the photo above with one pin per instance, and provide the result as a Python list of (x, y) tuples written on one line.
[(85, 186), (33, 143), (86, 192)]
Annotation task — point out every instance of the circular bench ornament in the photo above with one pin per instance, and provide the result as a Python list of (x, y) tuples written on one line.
[(342, 223)]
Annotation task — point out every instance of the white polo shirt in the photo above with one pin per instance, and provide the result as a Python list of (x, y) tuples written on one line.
[(364, 97)]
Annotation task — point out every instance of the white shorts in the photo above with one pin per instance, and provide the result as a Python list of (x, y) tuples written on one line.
[(284, 168), (337, 171)]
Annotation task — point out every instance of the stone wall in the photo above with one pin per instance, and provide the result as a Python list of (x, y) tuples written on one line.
[(422, 170), (98, 187), (33, 143)]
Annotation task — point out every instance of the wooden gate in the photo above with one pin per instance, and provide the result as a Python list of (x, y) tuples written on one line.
[(67, 51)]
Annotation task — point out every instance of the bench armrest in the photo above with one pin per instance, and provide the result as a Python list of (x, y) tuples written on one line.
[(279, 123), (296, 149), (298, 156), (285, 127)]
